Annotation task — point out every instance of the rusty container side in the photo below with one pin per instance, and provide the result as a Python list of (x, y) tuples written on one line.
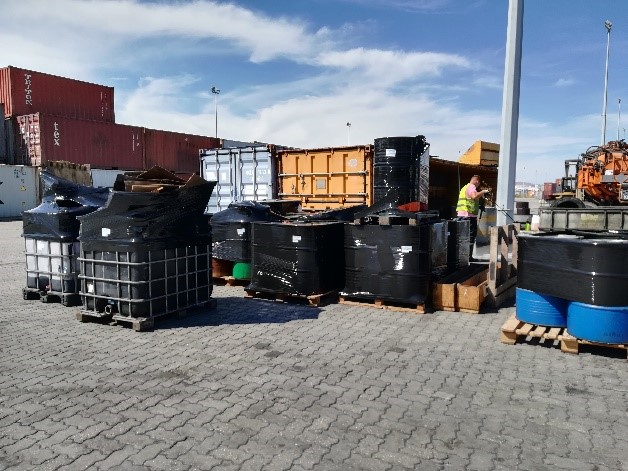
[(26, 92), (326, 178), (175, 151), (42, 138)]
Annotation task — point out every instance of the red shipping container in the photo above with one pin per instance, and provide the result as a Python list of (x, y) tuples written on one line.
[(26, 92), (42, 138), (175, 151)]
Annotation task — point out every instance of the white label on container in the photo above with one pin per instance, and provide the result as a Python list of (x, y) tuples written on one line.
[(90, 288), (353, 163), (296, 239), (391, 152), (406, 248), (241, 231), (106, 231)]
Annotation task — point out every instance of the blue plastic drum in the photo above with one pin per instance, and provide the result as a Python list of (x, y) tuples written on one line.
[(598, 323), (541, 309)]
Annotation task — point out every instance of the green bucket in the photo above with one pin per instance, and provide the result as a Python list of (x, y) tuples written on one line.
[(242, 271)]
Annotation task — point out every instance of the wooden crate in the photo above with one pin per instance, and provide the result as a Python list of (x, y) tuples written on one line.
[(463, 291)]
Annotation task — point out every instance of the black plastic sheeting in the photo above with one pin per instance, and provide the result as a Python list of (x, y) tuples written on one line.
[(301, 259), (341, 214), (62, 202), (231, 229), (388, 262), (458, 242), (136, 216), (400, 168), (591, 271)]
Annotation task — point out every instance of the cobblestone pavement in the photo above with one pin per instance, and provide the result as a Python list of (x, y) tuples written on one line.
[(261, 385)]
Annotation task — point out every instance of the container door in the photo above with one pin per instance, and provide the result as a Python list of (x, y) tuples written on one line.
[(254, 174), (218, 165), (18, 190)]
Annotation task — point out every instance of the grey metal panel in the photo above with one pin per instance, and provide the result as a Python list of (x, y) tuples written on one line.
[(3, 137), (18, 190), (242, 173), (591, 219), (102, 178)]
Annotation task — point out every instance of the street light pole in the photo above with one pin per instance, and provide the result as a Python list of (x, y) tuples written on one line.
[(618, 116), (348, 134), (216, 92), (608, 25)]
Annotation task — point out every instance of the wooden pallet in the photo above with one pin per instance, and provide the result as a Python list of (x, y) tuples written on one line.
[(139, 324), (502, 274), (71, 299), (514, 329), (314, 300), (383, 304), (230, 281)]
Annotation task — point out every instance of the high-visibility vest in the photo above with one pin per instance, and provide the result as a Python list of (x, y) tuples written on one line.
[(469, 205)]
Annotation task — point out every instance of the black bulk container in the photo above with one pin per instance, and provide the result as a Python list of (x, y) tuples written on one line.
[(388, 262), (297, 258), (585, 270), (50, 234), (231, 229), (458, 244), (401, 170), (142, 279)]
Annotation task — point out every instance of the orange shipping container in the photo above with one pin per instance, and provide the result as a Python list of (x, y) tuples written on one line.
[(26, 92), (326, 178)]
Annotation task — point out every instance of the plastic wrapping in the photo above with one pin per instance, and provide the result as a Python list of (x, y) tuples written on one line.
[(231, 229), (541, 309), (142, 214), (439, 236), (598, 323), (62, 202), (399, 165), (589, 271), (458, 242), (300, 258), (145, 279), (388, 262)]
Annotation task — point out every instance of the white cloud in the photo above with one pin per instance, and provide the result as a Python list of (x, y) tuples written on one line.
[(564, 82)]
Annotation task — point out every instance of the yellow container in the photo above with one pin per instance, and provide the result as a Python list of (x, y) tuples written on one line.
[(326, 178)]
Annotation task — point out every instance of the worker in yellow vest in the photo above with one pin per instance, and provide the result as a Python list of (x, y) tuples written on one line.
[(468, 207)]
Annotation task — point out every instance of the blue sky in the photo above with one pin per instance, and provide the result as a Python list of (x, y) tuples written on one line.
[(294, 72)]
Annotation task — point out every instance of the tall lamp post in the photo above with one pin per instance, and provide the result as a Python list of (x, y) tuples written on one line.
[(608, 25), (618, 117), (348, 134), (216, 92)]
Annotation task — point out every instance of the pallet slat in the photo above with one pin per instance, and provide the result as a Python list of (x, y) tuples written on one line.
[(383, 304), (514, 329), (313, 300)]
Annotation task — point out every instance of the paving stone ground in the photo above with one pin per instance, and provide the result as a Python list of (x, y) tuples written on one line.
[(261, 385)]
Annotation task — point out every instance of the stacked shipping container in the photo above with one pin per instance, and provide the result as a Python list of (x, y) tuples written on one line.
[(55, 118), (25, 92)]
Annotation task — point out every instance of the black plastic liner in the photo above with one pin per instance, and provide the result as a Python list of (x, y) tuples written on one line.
[(388, 262), (136, 216), (231, 229), (340, 214), (591, 271), (62, 202), (399, 166), (458, 242), (145, 279), (300, 258)]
